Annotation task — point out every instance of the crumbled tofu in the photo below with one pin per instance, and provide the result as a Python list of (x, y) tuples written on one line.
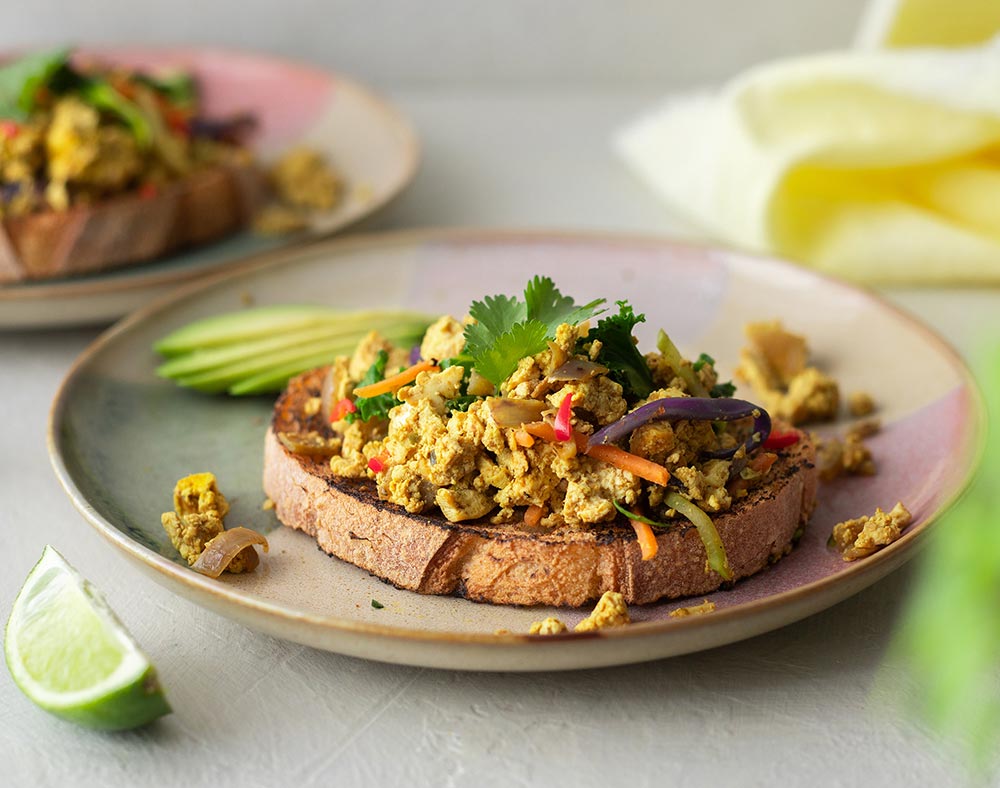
[(303, 179), (268, 505), (860, 403), (548, 626), (862, 536), (775, 366), (445, 338), (784, 353), (611, 611), (863, 429), (850, 456), (693, 610), (191, 532), (277, 219), (198, 518), (198, 494)]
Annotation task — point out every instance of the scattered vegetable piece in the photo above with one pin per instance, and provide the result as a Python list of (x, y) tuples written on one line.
[(533, 515), (341, 408), (782, 440), (561, 428), (714, 548), (633, 463), (395, 382), (377, 605), (220, 551)]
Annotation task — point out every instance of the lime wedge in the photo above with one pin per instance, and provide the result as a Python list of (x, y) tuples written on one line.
[(69, 654)]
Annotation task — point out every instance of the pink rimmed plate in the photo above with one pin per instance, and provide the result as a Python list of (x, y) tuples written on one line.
[(366, 139), (119, 438)]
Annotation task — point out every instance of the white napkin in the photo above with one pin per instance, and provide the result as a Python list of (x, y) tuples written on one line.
[(880, 166)]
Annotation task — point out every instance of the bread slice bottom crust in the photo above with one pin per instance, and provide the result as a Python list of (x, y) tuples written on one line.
[(516, 564)]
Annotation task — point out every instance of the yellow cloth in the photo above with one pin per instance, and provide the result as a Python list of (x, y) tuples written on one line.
[(881, 166)]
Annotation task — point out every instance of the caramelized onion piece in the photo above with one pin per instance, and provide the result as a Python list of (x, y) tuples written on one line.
[(311, 444), (479, 386), (509, 412), (577, 369), (559, 355), (220, 551)]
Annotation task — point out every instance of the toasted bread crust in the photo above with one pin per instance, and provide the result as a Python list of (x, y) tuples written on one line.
[(202, 207), (513, 563)]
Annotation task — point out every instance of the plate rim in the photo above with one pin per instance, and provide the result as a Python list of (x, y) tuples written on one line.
[(232, 603), (132, 277)]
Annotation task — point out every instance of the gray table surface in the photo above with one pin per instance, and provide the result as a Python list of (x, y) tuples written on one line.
[(808, 704)]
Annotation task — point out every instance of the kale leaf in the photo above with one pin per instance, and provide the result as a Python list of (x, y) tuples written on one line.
[(619, 353), (379, 405)]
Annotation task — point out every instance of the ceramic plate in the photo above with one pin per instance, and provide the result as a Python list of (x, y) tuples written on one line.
[(367, 140), (120, 438)]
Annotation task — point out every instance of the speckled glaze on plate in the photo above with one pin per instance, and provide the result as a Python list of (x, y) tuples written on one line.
[(120, 438), (366, 139)]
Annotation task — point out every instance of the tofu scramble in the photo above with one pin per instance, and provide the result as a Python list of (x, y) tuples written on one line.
[(578, 432)]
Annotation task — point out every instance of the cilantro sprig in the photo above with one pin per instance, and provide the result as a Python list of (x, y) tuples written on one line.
[(508, 329)]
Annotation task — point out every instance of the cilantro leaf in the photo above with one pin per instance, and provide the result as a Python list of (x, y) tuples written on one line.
[(499, 361), (494, 315), (379, 405), (619, 353), (547, 304), (507, 329)]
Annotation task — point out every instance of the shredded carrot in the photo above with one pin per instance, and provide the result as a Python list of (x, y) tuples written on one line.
[(533, 515), (646, 537), (633, 463), (524, 439), (547, 432), (396, 381)]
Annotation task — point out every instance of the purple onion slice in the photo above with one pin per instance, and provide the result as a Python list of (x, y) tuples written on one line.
[(691, 409)]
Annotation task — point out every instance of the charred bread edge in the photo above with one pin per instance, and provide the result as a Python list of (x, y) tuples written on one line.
[(84, 238), (513, 564)]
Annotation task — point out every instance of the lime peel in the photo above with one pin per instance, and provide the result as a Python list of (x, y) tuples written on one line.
[(70, 655)]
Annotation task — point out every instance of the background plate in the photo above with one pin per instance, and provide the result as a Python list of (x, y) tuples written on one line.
[(120, 438), (367, 140)]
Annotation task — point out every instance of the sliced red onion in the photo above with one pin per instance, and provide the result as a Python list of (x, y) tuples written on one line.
[(414, 355), (577, 369), (691, 409)]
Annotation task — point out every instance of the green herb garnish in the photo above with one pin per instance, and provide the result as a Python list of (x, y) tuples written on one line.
[(633, 516), (619, 353), (461, 403), (726, 389), (22, 79), (379, 405), (507, 329), (377, 605)]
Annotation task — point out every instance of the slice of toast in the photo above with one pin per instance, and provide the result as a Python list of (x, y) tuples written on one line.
[(514, 563), (199, 208)]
